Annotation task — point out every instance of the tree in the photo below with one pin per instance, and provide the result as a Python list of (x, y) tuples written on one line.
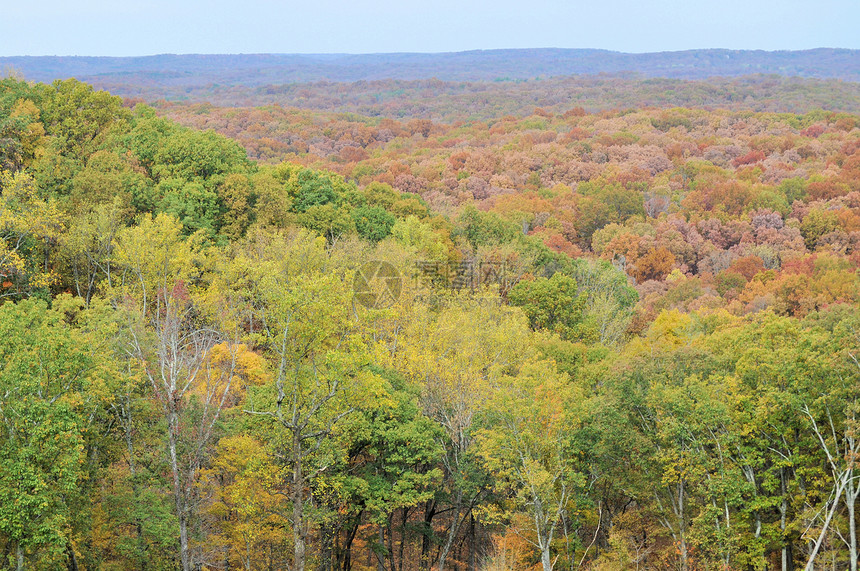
[(372, 222), (309, 188), (654, 265), (132, 522), (327, 220), (87, 248), (76, 116), (485, 228), (391, 466), (816, 224), (27, 224), (21, 135), (610, 298), (662, 412), (456, 354), (197, 156), (319, 362), (243, 483), (171, 337), (763, 437), (552, 303), (525, 440), (105, 179), (238, 198), (197, 207), (830, 402), (50, 389)]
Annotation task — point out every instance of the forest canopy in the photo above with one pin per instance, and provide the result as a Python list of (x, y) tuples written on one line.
[(271, 337)]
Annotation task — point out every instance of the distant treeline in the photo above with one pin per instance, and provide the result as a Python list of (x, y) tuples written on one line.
[(452, 101), (477, 84), (479, 65)]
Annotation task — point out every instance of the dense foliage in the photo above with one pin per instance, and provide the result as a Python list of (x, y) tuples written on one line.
[(620, 340), (451, 101)]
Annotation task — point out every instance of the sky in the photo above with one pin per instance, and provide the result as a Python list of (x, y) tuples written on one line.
[(149, 27)]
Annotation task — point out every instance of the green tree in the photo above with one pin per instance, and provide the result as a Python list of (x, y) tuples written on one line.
[(195, 206), (554, 304), (198, 156), (391, 466), (611, 298), (816, 224), (50, 388), (485, 228), (77, 116), (372, 223), (146, 137), (106, 178), (327, 220), (829, 400)]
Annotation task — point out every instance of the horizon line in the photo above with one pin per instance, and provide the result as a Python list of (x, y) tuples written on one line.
[(431, 53)]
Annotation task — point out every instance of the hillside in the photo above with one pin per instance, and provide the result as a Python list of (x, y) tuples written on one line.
[(254, 70)]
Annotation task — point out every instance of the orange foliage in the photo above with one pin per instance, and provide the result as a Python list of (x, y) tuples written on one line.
[(654, 265), (747, 266)]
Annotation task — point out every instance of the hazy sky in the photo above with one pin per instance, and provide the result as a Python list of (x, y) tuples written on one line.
[(146, 27)]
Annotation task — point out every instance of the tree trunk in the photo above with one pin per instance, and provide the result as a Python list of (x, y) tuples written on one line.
[(684, 555), (471, 566), (327, 537), (452, 532), (183, 543), (429, 513), (785, 552), (810, 564), (345, 559), (298, 523), (298, 497), (850, 497), (19, 556), (403, 521), (125, 419), (787, 557), (380, 560), (545, 560), (178, 493), (682, 527), (390, 527), (73, 559)]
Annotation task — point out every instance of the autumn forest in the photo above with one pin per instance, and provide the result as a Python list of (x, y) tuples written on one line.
[(586, 322)]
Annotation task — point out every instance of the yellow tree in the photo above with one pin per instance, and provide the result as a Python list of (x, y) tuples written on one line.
[(87, 248), (525, 440), (171, 338), (243, 483), (297, 296), (27, 223), (456, 352)]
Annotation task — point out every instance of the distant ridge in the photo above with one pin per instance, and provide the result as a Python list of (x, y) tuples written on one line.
[(485, 65)]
